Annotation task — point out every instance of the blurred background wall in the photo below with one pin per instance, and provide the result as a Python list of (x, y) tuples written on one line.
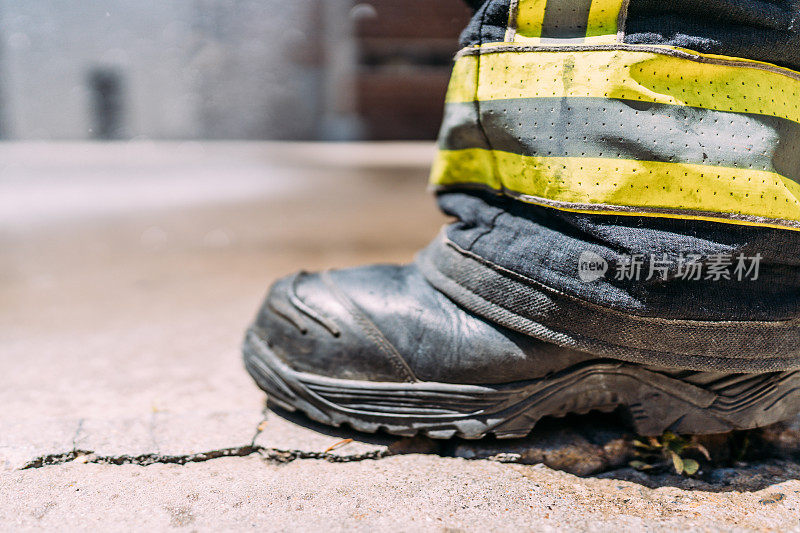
[(225, 69)]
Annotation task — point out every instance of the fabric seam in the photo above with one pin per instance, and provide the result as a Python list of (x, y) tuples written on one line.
[(622, 47), (719, 217), (511, 29), (478, 116), (622, 20)]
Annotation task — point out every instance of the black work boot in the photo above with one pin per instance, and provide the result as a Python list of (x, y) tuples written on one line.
[(627, 235), (378, 347)]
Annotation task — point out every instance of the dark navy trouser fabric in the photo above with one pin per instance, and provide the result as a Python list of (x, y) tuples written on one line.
[(764, 30), (545, 244)]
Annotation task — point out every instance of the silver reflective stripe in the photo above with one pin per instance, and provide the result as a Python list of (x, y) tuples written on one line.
[(625, 129), (566, 19)]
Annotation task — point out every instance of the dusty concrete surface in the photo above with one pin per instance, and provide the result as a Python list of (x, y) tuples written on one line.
[(127, 276), (407, 493)]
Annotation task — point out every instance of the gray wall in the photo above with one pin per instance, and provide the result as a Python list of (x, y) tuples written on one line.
[(190, 69)]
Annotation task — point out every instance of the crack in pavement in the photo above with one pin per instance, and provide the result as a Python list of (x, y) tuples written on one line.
[(556, 447), (604, 452), (151, 429), (272, 455), (76, 436)]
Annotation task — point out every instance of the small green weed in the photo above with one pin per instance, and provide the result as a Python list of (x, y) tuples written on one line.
[(668, 450)]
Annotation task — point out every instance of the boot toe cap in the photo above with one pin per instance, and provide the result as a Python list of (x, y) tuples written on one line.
[(314, 328)]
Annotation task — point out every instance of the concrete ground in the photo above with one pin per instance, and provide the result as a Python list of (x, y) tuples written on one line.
[(128, 273)]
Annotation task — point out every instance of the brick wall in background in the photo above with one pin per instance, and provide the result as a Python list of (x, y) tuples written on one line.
[(405, 51)]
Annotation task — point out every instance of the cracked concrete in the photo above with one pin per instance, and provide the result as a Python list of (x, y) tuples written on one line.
[(191, 439), (403, 493), (123, 299), (146, 459)]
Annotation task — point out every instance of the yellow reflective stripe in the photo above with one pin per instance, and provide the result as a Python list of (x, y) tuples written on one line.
[(638, 187), (463, 86), (629, 75), (471, 165), (529, 18), (603, 18), (526, 21)]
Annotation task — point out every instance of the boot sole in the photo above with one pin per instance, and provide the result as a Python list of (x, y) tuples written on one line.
[(656, 402)]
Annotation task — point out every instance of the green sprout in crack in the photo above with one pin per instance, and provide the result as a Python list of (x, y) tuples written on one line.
[(656, 453)]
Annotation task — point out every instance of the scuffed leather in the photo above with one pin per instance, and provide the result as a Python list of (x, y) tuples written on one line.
[(387, 323), (321, 335)]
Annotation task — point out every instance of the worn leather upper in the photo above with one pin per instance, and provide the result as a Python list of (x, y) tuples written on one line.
[(387, 323)]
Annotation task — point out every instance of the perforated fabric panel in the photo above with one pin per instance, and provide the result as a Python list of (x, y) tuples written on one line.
[(614, 128)]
